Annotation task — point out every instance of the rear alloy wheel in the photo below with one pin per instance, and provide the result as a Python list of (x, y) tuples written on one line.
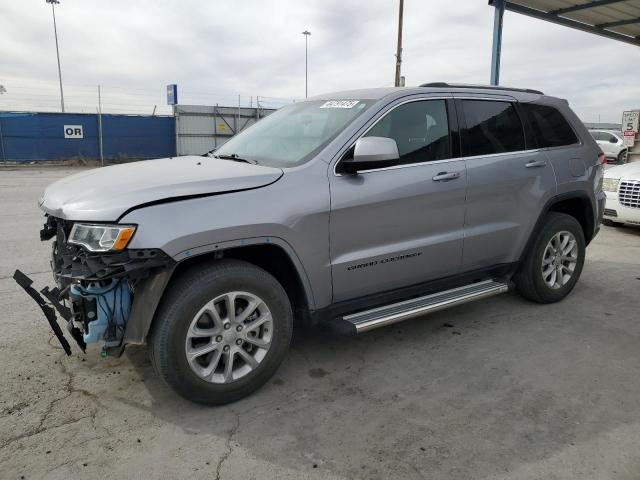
[(221, 331), (559, 259), (552, 266)]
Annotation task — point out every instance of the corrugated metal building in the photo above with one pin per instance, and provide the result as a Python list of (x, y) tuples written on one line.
[(201, 128)]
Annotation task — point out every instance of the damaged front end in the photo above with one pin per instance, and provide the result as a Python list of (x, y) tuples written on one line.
[(96, 285)]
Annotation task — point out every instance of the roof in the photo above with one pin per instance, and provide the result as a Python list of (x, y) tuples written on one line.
[(463, 86), (436, 87), (615, 19)]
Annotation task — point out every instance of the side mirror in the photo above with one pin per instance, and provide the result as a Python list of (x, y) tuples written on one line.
[(613, 139), (372, 152)]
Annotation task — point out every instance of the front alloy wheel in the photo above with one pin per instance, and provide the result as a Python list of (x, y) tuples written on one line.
[(229, 337), (221, 331)]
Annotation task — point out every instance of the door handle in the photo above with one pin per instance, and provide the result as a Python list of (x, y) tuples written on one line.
[(445, 176), (539, 163)]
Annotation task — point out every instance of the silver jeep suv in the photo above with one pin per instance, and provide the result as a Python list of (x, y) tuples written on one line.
[(355, 209)]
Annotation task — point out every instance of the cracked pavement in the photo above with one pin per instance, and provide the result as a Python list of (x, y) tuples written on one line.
[(498, 389)]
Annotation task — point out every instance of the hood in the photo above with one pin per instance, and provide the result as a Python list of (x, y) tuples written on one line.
[(105, 194), (628, 170)]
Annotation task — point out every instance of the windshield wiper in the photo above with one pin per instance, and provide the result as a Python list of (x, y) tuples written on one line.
[(236, 158), (209, 153)]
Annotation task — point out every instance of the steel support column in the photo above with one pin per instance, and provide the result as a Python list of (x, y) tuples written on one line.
[(497, 41)]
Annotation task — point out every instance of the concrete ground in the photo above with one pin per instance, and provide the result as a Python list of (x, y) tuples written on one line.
[(498, 389)]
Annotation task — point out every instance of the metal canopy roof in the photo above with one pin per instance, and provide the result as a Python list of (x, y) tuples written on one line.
[(615, 19)]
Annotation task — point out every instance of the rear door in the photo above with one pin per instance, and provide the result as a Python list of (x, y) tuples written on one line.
[(509, 180), (403, 225)]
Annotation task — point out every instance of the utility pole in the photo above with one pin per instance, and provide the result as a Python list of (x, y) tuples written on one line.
[(306, 34), (55, 32), (399, 51)]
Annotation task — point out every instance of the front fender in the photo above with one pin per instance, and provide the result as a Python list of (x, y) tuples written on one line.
[(146, 299), (149, 291), (292, 213), (246, 242)]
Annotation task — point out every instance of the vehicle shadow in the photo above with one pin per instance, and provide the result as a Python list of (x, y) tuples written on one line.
[(626, 229), (464, 393)]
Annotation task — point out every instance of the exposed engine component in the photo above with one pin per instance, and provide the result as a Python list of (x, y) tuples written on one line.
[(103, 309)]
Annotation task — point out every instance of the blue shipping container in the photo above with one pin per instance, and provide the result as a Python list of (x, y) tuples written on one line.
[(41, 136)]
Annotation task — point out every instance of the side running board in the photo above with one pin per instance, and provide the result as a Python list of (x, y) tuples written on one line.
[(397, 312)]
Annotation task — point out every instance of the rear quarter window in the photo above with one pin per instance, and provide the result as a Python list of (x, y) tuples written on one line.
[(549, 126)]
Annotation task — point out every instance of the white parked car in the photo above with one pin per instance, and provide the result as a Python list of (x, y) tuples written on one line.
[(622, 186), (612, 144)]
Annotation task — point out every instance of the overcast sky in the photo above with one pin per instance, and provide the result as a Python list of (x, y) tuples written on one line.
[(215, 50)]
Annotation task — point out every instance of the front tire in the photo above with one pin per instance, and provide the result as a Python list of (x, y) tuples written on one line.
[(221, 331), (553, 265)]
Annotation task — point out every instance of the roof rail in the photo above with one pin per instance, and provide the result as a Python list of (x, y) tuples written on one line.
[(483, 87)]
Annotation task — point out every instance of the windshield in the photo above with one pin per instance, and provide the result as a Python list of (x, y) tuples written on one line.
[(295, 133)]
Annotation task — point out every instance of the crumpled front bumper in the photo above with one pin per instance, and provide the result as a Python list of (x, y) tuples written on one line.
[(103, 297)]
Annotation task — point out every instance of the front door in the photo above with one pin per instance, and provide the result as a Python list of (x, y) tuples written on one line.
[(402, 225)]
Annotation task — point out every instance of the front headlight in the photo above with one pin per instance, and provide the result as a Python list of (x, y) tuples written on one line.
[(101, 238), (610, 184)]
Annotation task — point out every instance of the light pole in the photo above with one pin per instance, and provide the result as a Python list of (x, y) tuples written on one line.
[(306, 34), (55, 32)]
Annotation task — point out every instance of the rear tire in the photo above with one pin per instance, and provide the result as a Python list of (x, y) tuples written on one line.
[(551, 267), (234, 312), (622, 157)]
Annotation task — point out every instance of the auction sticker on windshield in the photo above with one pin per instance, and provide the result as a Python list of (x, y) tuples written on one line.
[(340, 104)]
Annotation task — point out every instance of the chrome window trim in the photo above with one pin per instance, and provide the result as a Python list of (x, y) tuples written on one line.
[(515, 100), (503, 154), (447, 160), (408, 165), (505, 98)]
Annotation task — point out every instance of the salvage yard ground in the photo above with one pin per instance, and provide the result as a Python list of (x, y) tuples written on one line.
[(498, 389)]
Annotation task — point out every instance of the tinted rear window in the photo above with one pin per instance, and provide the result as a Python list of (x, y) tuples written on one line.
[(549, 126), (492, 127)]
